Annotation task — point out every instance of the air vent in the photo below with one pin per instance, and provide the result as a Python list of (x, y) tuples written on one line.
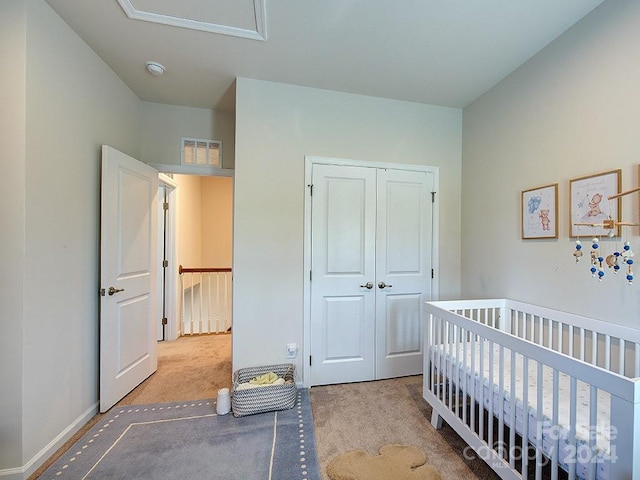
[(201, 152)]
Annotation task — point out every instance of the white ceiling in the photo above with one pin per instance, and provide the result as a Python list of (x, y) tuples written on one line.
[(439, 52)]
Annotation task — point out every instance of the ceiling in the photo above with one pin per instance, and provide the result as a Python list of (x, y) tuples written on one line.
[(438, 52)]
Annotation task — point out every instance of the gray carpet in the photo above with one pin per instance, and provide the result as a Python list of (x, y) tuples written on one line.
[(188, 440)]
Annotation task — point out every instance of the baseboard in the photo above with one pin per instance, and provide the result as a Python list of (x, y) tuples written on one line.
[(43, 455)]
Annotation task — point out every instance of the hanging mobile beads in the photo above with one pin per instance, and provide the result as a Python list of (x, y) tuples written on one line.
[(613, 260), (596, 261), (627, 255), (578, 252)]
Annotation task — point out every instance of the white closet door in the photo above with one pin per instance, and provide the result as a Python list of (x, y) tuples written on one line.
[(343, 260), (371, 272), (403, 269)]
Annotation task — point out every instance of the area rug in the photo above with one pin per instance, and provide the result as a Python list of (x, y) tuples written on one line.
[(188, 440), (397, 462)]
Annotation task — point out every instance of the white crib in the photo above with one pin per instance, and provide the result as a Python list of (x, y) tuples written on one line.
[(534, 391)]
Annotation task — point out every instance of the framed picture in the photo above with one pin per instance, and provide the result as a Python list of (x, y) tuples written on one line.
[(590, 209), (540, 212)]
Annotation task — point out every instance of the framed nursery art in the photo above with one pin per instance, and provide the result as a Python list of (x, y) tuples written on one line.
[(590, 210), (540, 212)]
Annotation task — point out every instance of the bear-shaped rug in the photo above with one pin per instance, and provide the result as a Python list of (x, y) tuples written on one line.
[(397, 462)]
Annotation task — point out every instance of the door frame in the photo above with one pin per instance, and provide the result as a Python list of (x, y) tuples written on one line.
[(174, 293), (309, 162), (171, 288)]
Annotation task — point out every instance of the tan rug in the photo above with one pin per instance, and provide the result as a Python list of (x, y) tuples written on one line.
[(397, 462)]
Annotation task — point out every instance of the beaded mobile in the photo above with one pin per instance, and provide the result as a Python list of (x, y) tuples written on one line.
[(613, 260)]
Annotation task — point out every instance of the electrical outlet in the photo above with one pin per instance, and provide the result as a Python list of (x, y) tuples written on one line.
[(292, 350)]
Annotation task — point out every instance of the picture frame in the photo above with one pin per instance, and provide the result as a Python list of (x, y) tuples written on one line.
[(589, 206), (540, 212)]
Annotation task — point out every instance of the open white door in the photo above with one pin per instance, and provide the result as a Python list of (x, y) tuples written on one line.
[(128, 275)]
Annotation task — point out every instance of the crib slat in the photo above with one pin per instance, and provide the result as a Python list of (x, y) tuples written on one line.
[(481, 388), (594, 347), (621, 352), (532, 325), (465, 392), (550, 333), (554, 421), (472, 422), (607, 352), (491, 395), (457, 375), (582, 344), (539, 424), (570, 340), (450, 365), (525, 416), (501, 402), (571, 441), (560, 339), (512, 413), (540, 331), (435, 341), (593, 421)]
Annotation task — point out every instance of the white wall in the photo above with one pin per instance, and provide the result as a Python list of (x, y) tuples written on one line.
[(72, 103), (276, 126), (205, 207), (189, 228), (164, 125), (571, 111), (12, 225), (217, 221)]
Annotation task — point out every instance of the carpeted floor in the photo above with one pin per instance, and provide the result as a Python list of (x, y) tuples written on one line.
[(168, 441), (189, 368), (347, 417), (368, 415)]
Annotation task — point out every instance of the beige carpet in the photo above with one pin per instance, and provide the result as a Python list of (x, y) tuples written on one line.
[(189, 368), (397, 462), (357, 416), (368, 415)]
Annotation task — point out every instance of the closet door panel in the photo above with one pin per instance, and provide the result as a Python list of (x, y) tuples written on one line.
[(403, 269), (342, 264)]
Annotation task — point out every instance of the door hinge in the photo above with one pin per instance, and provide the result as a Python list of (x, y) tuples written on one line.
[(310, 189), (433, 197), (102, 292), (432, 273), (309, 360), (165, 206), (164, 321), (310, 275), (165, 263)]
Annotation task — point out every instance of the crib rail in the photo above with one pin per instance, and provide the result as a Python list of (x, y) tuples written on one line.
[(477, 349), (206, 300)]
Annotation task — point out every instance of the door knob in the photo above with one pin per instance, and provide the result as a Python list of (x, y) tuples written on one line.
[(382, 285), (368, 285), (113, 290)]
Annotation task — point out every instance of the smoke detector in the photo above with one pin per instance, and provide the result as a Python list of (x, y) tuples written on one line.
[(155, 68)]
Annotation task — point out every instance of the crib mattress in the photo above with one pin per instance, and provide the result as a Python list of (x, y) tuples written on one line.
[(452, 364)]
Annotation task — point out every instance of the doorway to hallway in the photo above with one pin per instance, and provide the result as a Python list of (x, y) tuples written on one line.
[(197, 244), (197, 234)]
